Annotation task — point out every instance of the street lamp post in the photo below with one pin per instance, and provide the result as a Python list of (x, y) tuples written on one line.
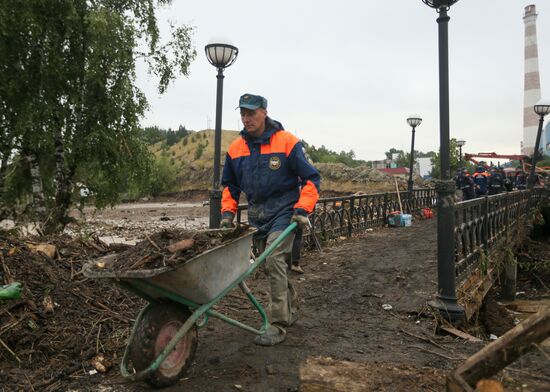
[(460, 143), (413, 120), (542, 108), (445, 300), (221, 54)]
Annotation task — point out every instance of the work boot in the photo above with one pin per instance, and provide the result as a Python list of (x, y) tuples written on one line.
[(297, 269), (274, 335)]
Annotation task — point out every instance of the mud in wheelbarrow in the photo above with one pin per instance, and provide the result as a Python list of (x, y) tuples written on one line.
[(164, 338)]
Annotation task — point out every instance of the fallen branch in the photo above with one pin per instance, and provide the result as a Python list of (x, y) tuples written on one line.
[(427, 340), (436, 353), (539, 376), (8, 278), (152, 242), (9, 350)]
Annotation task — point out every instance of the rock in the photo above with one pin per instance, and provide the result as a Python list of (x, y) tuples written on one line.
[(48, 304), (46, 249), (269, 369), (101, 364)]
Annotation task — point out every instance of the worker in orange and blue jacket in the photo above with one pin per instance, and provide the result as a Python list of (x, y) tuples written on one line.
[(481, 181), (271, 167)]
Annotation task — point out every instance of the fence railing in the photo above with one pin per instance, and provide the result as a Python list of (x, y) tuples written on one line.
[(483, 223), (334, 217)]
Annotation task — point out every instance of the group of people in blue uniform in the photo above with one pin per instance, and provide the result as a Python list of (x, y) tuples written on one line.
[(492, 182)]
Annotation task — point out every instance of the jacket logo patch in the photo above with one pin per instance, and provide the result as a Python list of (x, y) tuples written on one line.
[(274, 163)]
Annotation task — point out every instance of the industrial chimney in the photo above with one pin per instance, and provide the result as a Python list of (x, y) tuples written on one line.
[(531, 91)]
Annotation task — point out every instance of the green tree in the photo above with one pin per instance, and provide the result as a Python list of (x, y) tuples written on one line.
[(153, 134), (164, 177), (454, 160), (199, 151), (182, 132), (171, 137), (69, 105), (389, 154)]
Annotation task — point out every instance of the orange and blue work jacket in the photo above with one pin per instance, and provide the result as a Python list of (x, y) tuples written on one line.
[(274, 173)]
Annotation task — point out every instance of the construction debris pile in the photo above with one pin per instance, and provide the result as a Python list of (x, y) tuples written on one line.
[(168, 248), (63, 326)]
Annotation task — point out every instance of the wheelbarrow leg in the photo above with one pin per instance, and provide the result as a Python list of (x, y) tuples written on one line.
[(257, 305)]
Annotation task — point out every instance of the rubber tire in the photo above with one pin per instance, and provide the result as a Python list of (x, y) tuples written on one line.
[(166, 317)]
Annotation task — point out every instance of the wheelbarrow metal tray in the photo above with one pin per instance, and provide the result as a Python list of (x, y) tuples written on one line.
[(200, 279)]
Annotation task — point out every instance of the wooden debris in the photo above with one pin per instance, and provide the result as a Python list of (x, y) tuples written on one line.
[(7, 274), (322, 374), (181, 245), (526, 306), (500, 353), (473, 291), (460, 334), (46, 249)]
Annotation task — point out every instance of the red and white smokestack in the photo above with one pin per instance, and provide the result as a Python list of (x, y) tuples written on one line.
[(531, 91)]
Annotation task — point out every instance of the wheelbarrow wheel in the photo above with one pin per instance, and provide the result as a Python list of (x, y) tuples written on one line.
[(159, 324)]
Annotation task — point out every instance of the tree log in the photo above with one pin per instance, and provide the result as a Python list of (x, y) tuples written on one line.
[(500, 353), (181, 245)]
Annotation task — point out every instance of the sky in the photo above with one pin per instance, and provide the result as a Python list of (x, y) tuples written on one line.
[(347, 74)]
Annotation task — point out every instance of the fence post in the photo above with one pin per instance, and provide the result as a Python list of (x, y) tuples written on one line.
[(486, 225), (509, 273), (385, 207), (350, 220)]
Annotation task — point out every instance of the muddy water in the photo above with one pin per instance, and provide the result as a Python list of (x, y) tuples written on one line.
[(129, 222)]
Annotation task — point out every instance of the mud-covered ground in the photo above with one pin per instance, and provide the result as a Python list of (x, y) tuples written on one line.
[(343, 315)]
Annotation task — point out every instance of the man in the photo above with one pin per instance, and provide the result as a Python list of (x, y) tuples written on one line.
[(496, 182), (271, 167), (481, 181), (521, 180), (465, 183)]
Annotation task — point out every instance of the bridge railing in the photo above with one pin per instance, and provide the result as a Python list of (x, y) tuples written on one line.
[(483, 223), (335, 217)]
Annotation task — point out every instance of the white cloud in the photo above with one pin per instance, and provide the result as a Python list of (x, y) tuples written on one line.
[(347, 74)]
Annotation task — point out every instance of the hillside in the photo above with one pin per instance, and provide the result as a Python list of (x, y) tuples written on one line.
[(193, 157)]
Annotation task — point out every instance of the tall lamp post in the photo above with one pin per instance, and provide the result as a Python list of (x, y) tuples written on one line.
[(542, 108), (460, 143), (413, 120), (221, 54), (445, 300)]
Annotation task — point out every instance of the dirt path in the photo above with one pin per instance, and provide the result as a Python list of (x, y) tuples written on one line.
[(341, 316)]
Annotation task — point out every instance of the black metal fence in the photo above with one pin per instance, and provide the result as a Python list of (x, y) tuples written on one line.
[(342, 216), (482, 224)]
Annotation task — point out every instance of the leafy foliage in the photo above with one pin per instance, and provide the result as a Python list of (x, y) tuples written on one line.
[(324, 155), (199, 151), (454, 160), (68, 100)]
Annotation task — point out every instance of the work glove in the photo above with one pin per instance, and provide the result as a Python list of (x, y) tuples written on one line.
[(300, 218), (227, 222)]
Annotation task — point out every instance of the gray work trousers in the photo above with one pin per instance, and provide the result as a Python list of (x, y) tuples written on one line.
[(284, 299)]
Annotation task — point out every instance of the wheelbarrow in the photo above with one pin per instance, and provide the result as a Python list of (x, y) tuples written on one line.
[(164, 337)]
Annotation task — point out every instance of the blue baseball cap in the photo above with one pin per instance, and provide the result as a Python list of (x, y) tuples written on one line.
[(252, 102)]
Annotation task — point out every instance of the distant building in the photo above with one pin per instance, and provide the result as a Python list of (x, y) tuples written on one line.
[(381, 164), (545, 140), (424, 166), (396, 171)]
